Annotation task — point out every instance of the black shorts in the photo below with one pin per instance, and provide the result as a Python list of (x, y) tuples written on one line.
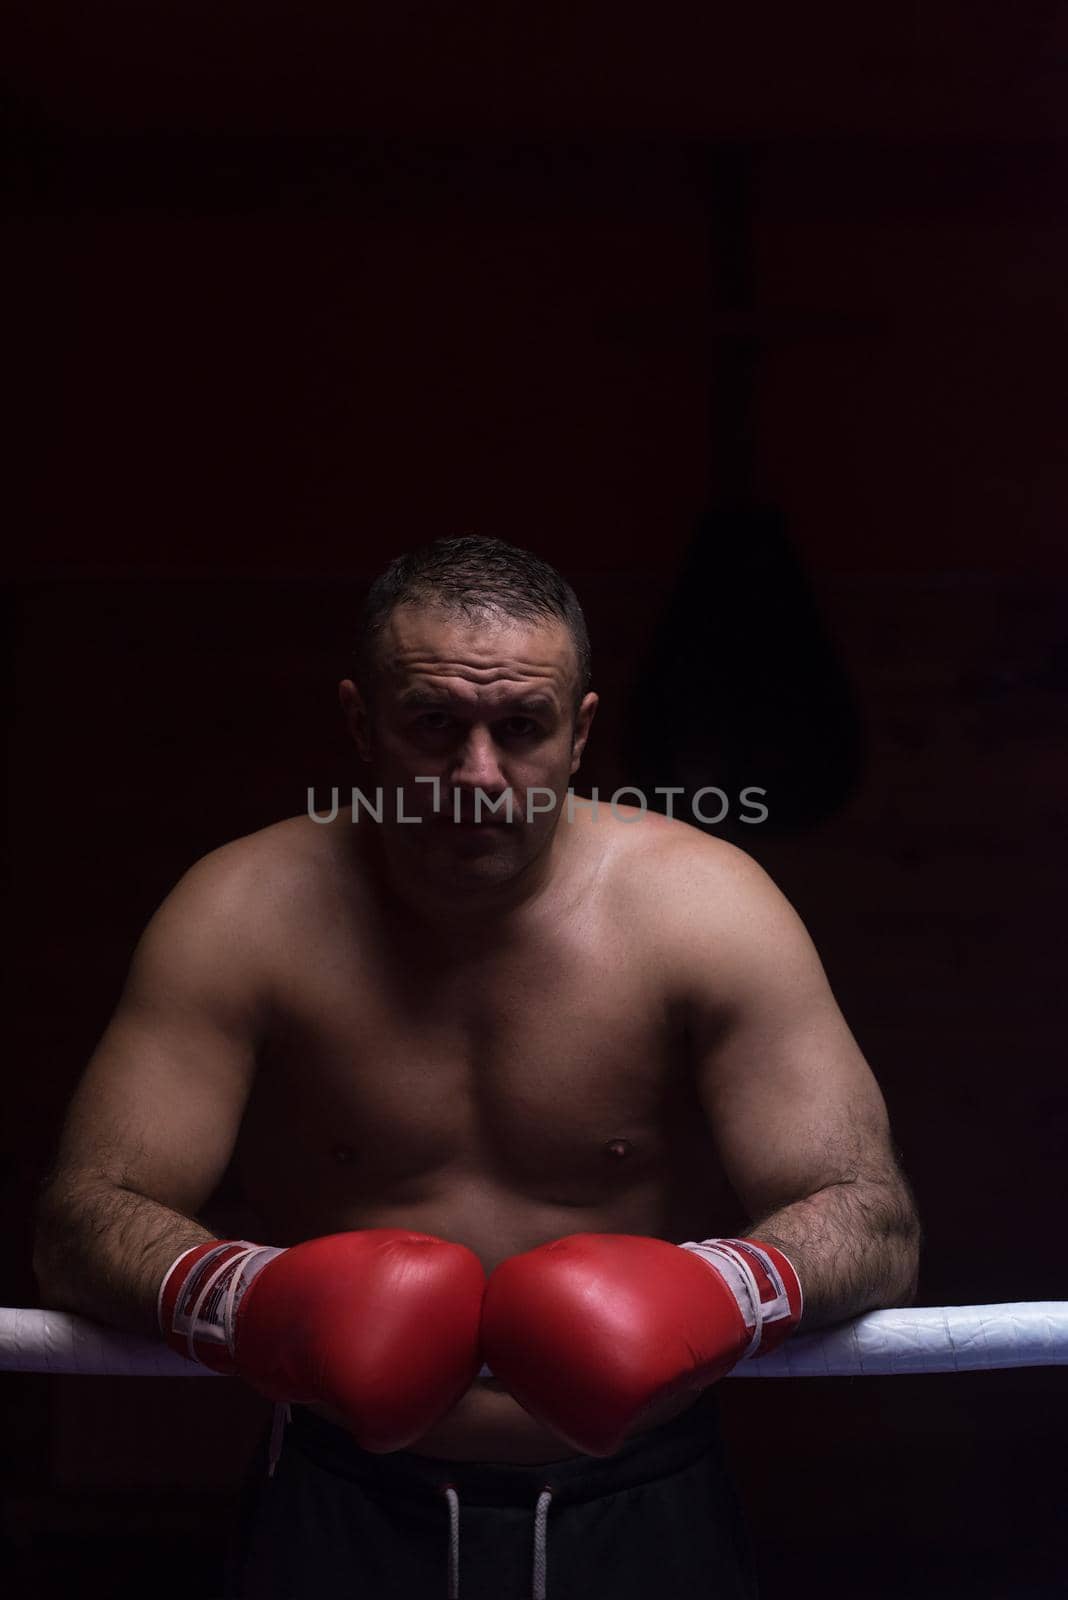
[(660, 1518)]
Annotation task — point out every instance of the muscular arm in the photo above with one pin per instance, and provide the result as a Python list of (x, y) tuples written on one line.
[(152, 1124), (797, 1117)]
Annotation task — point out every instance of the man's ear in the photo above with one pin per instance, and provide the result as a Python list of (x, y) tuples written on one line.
[(583, 722), (354, 707)]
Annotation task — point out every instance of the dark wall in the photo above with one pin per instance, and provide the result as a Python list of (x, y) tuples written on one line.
[(251, 369)]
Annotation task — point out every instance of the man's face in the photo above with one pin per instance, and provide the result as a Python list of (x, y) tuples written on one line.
[(486, 708)]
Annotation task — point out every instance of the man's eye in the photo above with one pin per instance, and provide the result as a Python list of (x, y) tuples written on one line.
[(519, 727), (434, 721)]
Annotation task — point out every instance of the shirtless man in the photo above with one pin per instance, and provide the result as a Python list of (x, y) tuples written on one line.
[(581, 1022)]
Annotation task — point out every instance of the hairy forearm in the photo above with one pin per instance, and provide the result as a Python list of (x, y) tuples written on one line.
[(101, 1251), (855, 1247)]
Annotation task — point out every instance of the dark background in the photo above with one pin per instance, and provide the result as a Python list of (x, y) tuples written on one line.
[(756, 326)]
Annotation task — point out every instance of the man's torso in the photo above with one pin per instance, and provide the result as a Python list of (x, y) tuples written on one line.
[(497, 1092)]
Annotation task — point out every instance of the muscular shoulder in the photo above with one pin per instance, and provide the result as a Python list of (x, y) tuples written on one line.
[(252, 882), (662, 862), (695, 898)]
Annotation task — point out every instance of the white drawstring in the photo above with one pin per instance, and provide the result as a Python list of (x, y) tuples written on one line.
[(541, 1543), (539, 1588), (454, 1540)]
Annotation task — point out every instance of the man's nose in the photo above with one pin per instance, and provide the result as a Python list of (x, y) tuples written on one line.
[(477, 763)]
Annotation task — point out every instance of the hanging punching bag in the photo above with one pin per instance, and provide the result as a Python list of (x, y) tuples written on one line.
[(744, 688)]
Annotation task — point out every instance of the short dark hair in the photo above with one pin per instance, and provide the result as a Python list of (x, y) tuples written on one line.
[(472, 576)]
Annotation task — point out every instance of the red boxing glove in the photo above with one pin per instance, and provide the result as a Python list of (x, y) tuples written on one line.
[(380, 1324), (590, 1331)]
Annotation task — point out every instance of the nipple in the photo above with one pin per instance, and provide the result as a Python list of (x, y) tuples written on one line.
[(619, 1147)]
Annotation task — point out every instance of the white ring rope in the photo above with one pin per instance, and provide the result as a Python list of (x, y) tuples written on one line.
[(915, 1339)]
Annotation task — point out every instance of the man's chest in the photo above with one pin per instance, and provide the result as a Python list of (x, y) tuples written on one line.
[(552, 1066)]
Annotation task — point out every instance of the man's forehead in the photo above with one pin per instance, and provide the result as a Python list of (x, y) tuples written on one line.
[(422, 644)]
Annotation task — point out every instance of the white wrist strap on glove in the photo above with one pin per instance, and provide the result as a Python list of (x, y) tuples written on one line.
[(208, 1300), (728, 1258)]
